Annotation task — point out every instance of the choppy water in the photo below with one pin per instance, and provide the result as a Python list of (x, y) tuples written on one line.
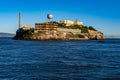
[(59, 60)]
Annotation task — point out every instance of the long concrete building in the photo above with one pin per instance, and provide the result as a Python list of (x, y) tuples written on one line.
[(45, 26)]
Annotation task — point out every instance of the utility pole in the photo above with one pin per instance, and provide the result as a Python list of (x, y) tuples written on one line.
[(19, 20)]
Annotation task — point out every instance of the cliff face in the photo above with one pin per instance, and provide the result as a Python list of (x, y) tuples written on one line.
[(60, 34), (95, 35), (49, 35), (43, 35)]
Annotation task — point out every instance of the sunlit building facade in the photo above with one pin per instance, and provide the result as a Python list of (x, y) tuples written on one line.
[(69, 23), (45, 26)]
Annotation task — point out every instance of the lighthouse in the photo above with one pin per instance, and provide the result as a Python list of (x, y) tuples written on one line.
[(19, 20)]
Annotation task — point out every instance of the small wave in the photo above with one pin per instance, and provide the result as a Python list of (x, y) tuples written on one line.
[(110, 79), (91, 66)]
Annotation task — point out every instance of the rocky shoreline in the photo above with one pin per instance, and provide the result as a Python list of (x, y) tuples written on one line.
[(58, 35)]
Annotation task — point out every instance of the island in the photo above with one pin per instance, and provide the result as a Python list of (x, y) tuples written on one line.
[(63, 30)]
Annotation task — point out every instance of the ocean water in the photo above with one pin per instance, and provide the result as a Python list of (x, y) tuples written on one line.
[(59, 60)]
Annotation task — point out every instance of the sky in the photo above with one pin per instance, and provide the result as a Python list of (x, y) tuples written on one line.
[(104, 15)]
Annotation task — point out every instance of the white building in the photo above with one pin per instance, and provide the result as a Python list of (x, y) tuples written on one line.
[(25, 27), (69, 23), (76, 22)]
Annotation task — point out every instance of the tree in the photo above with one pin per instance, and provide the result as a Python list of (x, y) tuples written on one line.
[(84, 29), (92, 28)]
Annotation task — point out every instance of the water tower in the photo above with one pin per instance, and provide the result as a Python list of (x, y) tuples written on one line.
[(50, 17), (51, 24)]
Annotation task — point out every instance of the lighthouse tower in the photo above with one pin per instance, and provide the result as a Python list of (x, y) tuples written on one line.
[(19, 20)]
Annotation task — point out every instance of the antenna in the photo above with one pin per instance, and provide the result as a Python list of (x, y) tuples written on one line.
[(19, 20)]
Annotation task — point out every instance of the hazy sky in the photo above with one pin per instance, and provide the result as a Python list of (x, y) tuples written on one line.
[(104, 15)]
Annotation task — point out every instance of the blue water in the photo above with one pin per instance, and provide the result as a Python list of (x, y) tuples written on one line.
[(59, 60)]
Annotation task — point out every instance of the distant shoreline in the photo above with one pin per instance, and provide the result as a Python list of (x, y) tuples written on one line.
[(6, 34), (112, 36)]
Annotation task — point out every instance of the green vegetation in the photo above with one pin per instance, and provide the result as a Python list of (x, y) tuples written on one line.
[(92, 28), (74, 35), (84, 29), (27, 33), (70, 27)]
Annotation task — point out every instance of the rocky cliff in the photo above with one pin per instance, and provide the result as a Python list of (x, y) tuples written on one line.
[(60, 34)]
